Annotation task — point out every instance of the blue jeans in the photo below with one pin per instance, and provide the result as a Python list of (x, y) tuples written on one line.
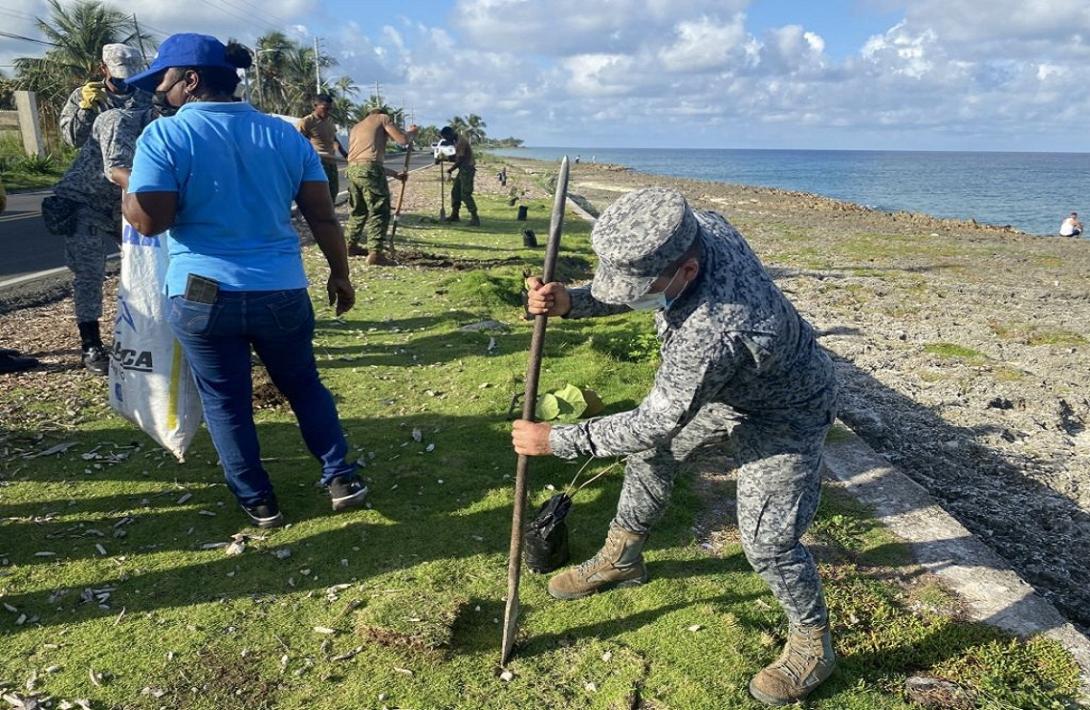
[(216, 339)]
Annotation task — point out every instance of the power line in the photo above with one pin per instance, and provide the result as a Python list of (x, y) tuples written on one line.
[(227, 11), (9, 35), (238, 13), (254, 7), (16, 13)]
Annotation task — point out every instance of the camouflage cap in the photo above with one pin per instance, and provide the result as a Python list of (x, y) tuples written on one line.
[(636, 239), (122, 60)]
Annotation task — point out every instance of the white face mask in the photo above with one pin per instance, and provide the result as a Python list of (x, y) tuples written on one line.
[(655, 301)]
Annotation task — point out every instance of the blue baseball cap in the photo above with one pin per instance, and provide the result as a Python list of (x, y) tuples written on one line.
[(186, 49)]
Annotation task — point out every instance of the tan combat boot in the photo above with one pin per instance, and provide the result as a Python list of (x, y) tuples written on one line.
[(618, 564), (377, 258), (806, 661)]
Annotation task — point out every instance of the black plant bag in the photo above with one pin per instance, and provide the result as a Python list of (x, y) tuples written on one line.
[(545, 542)]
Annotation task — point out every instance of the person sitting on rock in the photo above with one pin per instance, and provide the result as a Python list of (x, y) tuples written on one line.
[(1071, 227)]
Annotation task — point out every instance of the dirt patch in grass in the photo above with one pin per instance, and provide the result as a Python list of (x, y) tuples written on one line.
[(420, 621), (266, 394), (217, 678), (426, 260)]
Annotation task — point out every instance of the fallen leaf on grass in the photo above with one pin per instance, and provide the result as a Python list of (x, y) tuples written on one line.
[(55, 449)]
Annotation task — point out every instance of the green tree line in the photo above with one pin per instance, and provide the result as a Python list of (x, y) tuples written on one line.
[(282, 79)]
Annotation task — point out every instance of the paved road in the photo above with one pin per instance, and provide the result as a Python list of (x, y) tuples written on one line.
[(27, 248)]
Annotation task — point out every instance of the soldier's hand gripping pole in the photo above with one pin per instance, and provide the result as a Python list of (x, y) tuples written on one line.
[(533, 369)]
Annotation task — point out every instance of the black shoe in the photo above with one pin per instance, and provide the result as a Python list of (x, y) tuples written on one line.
[(474, 221), (12, 361), (356, 250), (347, 492), (265, 514), (453, 218), (96, 359)]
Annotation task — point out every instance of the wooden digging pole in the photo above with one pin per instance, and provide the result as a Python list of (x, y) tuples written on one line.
[(529, 403)]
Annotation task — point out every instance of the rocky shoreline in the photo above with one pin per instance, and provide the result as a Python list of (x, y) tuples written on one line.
[(962, 350)]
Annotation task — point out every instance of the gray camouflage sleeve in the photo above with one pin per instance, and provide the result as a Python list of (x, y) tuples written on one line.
[(76, 123), (584, 305), (691, 373), (116, 132)]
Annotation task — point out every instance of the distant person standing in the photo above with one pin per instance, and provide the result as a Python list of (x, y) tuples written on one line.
[(1071, 227), (462, 189), (368, 192), (319, 128), (119, 62)]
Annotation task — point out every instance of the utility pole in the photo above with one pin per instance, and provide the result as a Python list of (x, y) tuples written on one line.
[(317, 68), (139, 39), (257, 77)]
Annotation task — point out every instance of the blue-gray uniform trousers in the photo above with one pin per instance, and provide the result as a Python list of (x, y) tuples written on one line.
[(85, 251), (779, 483)]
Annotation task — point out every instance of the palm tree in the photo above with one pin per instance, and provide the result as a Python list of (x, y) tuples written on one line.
[(79, 31), (287, 83), (458, 124), (345, 86), (269, 59), (475, 126), (342, 92), (427, 135)]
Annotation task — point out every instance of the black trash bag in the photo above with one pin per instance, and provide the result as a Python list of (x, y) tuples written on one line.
[(545, 540)]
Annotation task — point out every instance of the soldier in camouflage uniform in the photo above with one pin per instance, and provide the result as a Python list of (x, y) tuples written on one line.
[(95, 200), (119, 62), (739, 367), (368, 191), (461, 187)]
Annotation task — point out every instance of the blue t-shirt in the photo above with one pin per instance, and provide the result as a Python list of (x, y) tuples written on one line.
[(236, 172)]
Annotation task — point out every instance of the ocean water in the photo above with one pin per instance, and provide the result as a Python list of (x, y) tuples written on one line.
[(1032, 192)]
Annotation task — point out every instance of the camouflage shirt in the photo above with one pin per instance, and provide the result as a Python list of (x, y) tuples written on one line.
[(111, 144), (731, 337), (76, 122)]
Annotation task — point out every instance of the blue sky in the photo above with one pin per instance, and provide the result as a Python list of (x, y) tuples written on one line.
[(866, 74)]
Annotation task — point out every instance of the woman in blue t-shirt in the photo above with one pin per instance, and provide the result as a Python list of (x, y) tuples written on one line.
[(221, 177)]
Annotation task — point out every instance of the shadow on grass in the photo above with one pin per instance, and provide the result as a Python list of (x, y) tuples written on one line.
[(449, 504)]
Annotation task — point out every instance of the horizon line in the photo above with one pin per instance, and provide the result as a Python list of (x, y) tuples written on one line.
[(816, 150)]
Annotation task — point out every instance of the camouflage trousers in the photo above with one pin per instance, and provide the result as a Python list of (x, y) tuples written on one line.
[(85, 251), (333, 176), (779, 486), (368, 204), (462, 190)]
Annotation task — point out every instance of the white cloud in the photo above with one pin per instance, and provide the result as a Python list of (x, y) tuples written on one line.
[(948, 74), (704, 44), (566, 27), (901, 51), (970, 22)]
